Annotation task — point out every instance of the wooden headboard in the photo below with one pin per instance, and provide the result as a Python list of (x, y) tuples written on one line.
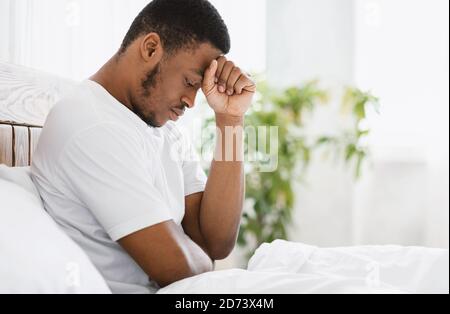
[(26, 97)]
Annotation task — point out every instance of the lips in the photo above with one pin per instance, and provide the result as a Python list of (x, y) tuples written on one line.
[(179, 112), (173, 115)]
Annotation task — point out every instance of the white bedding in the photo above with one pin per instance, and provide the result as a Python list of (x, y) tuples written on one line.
[(35, 255), (287, 267)]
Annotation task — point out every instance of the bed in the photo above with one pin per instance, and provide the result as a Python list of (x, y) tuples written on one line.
[(38, 258)]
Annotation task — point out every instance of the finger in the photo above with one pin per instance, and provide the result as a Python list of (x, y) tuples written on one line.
[(232, 79), (244, 84), (229, 66), (209, 76), (221, 63)]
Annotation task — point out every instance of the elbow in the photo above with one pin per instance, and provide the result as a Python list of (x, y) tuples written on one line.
[(221, 250), (184, 270), (220, 255), (184, 265)]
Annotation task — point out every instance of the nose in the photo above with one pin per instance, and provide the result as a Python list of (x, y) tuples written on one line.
[(189, 101)]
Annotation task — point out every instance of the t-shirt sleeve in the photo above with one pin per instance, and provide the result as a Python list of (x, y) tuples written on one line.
[(106, 168), (194, 176)]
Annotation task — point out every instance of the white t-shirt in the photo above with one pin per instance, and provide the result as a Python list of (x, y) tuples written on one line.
[(103, 174)]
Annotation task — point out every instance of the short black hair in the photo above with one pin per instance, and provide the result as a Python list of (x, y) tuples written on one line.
[(180, 23)]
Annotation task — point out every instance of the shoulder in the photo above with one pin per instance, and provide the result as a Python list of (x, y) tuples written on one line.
[(73, 112), (83, 116)]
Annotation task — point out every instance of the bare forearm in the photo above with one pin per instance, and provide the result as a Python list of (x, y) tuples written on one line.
[(222, 202)]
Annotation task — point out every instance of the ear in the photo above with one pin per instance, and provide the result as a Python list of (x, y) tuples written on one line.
[(151, 48)]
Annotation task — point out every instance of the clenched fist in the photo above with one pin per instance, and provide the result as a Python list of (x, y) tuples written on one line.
[(227, 89)]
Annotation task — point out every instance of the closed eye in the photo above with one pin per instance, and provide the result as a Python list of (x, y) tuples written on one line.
[(189, 84)]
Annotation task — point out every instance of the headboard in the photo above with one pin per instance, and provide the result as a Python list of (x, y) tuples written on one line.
[(26, 97)]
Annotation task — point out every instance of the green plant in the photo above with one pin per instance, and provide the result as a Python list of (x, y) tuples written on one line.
[(270, 195), (352, 142)]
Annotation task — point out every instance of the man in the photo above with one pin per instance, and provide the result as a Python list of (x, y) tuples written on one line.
[(104, 167)]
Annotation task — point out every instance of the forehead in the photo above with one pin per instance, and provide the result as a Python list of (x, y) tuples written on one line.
[(197, 58)]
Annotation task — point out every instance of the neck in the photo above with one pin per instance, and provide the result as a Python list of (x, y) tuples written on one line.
[(112, 76)]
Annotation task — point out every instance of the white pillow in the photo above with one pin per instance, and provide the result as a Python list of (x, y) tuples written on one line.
[(20, 176), (36, 255)]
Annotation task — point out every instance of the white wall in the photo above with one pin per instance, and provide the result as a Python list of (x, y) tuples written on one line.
[(311, 39), (4, 29), (308, 39), (402, 55)]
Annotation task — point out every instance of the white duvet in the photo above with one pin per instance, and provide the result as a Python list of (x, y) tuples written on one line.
[(287, 267)]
